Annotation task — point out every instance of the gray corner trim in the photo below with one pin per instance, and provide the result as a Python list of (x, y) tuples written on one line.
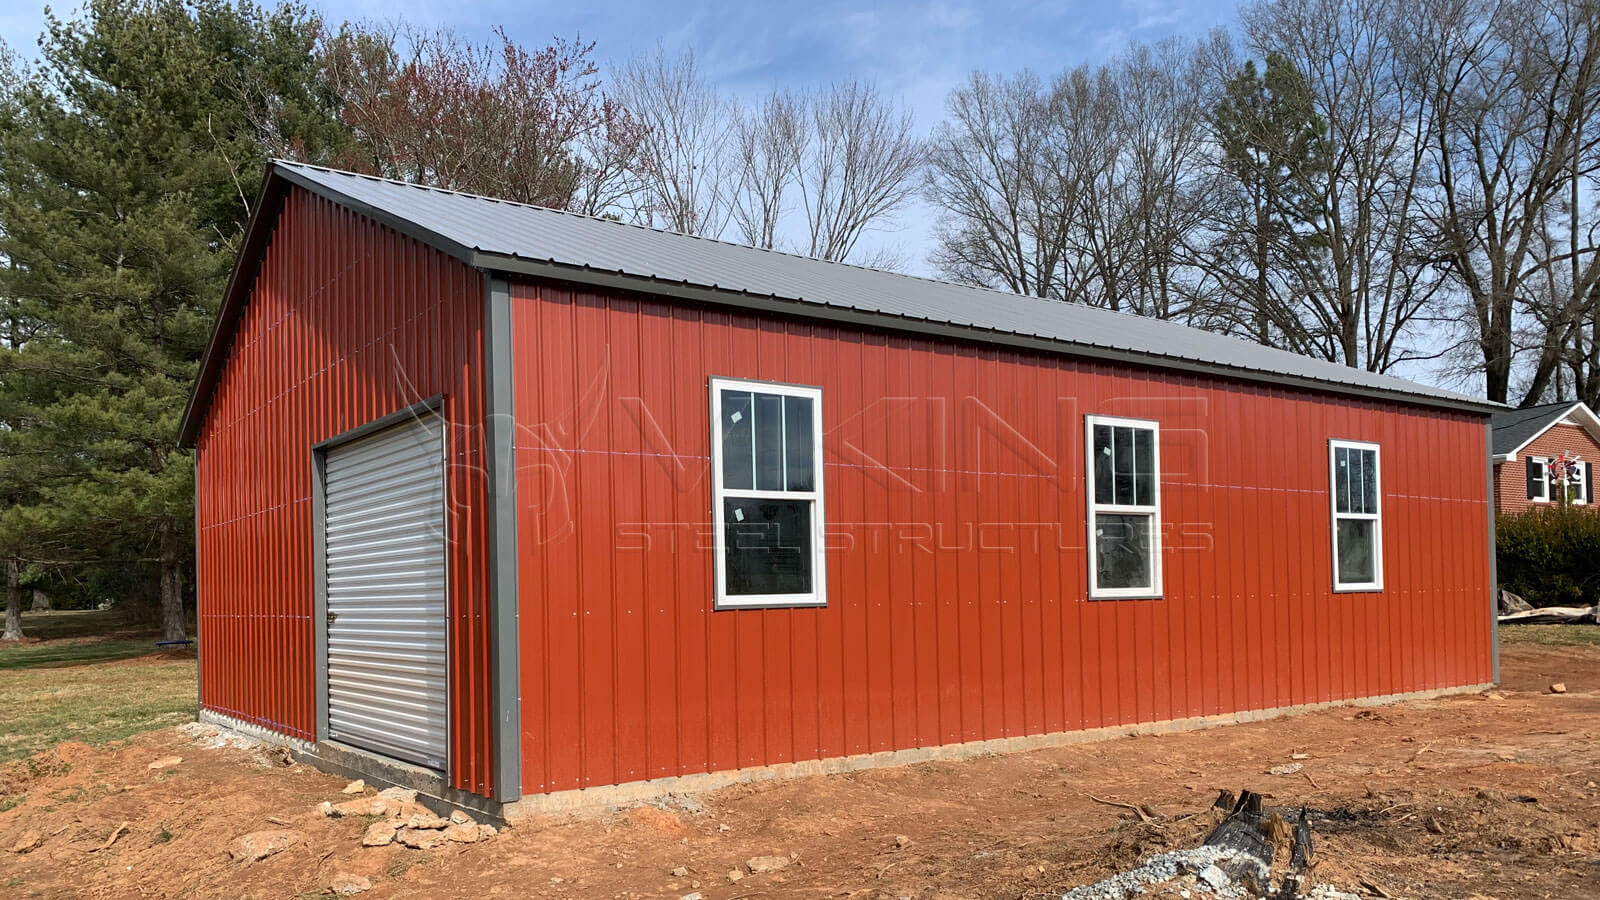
[(1494, 563), (199, 620), (866, 319), (500, 450)]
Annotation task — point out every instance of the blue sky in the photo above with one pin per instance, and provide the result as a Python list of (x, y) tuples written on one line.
[(917, 49)]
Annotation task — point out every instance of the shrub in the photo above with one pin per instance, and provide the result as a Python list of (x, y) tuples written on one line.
[(1551, 557)]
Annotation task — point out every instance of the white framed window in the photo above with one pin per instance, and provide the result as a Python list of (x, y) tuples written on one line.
[(1124, 490), (1578, 488), (766, 494), (1357, 504), (1539, 479)]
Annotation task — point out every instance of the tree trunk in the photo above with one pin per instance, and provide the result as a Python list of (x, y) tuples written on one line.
[(173, 627), (41, 602), (13, 630)]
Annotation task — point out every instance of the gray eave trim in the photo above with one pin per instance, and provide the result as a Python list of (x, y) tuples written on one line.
[(866, 319), (500, 449)]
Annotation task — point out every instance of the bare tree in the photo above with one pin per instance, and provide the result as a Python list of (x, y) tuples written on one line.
[(772, 140), (1513, 90), (1001, 224), (688, 177), (860, 167), (1363, 295)]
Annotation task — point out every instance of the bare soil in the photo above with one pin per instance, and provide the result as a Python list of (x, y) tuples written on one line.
[(1483, 796)]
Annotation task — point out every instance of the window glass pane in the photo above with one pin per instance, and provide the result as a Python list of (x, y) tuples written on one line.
[(1369, 481), (1144, 463), (1354, 551), (768, 546), (1122, 551), (797, 442), (769, 442), (1102, 464), (737, 449), (1122, 464)]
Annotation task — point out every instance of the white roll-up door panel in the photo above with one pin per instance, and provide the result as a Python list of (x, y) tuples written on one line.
[(387, 665)]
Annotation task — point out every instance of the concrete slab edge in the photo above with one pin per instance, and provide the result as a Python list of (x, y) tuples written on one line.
[(606, 796)]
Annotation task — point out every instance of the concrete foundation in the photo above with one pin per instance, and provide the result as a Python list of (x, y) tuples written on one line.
[(434, 793)]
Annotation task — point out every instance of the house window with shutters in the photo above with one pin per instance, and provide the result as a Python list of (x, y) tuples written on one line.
[(1357, 504), (766, 502), (1538, 479), (1578, 488)]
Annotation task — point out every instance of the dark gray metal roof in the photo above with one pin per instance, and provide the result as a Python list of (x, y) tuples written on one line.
[(504, 236), (1514, 428)]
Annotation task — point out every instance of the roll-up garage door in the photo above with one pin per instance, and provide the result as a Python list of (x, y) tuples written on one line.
[(384, 498)]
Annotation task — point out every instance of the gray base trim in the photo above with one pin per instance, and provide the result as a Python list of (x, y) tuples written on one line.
[(596, 798), (378, 771)]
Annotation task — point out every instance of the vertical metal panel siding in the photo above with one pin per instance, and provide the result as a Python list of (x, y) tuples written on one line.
[(347, 322), (387, 656), (957, 605)]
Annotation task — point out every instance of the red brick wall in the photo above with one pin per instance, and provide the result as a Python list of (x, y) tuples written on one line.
[(1511, 480)]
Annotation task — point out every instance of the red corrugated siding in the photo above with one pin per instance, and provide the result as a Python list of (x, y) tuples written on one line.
[(957, 605), (348, 321)]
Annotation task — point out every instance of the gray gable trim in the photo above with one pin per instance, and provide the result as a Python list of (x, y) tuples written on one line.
[(496, 235)]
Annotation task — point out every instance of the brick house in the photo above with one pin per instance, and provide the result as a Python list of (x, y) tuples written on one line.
[(1525, 440)]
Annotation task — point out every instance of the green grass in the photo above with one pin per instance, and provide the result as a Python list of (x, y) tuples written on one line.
[(42, 707), (53, 655), (1550, 635), (67, 686)]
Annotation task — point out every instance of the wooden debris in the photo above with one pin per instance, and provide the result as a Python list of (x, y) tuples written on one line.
[(118, 832)]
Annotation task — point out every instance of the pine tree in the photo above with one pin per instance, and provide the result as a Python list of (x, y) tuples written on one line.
[(128, 161), (1271, 142)]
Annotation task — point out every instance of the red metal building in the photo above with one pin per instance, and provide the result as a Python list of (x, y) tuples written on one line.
[(701, 508)]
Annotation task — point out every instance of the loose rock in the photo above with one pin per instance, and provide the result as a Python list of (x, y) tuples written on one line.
[(1558, 688), (258, 845), (30, 840), (399, 794), (166, 762), (759, 864), (460, 818), (735, 875), (419, 839), (361, 806), (426, 821), (693, 896), (345, 883), (355, 787), (463, 834), (486, 831), (380, 833), (901, 841), (1289, 769), (680, 872)]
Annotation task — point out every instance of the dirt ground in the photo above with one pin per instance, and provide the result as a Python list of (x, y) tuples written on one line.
[(1484, 796)]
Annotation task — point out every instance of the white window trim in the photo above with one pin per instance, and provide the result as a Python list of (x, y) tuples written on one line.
[(1096, 592), (1583, 482), (1544, 479), (1376, 518), (819, 572)]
